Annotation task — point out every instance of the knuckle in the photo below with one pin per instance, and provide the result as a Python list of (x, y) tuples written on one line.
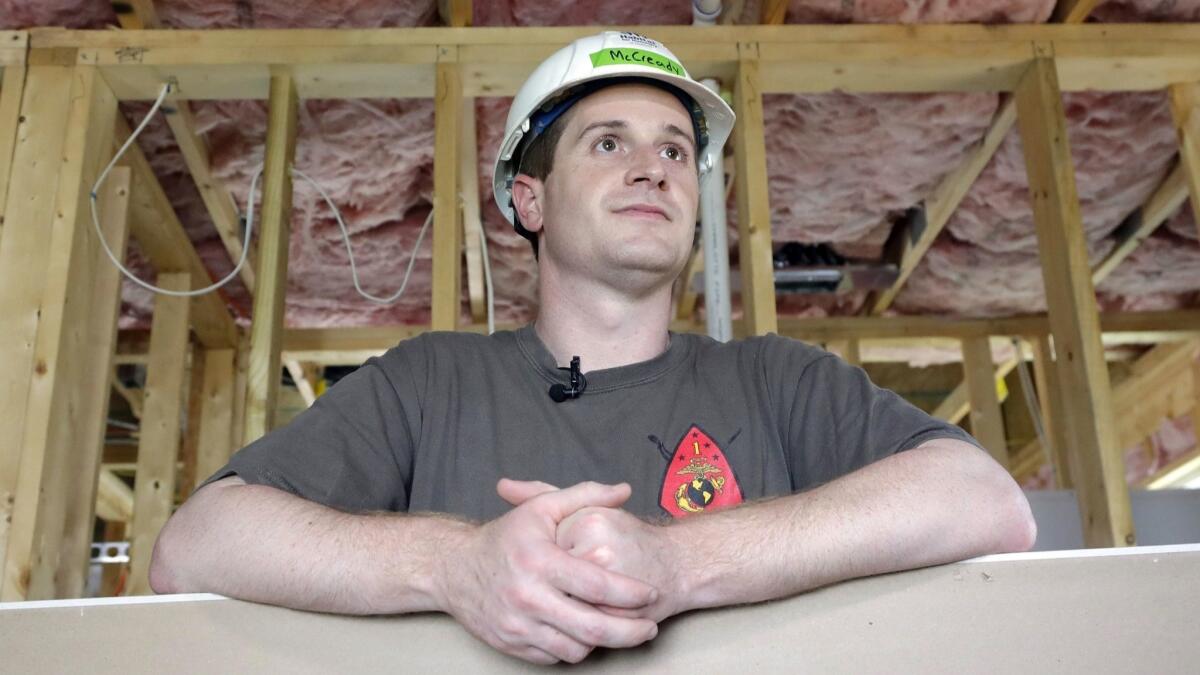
[(593, 632)]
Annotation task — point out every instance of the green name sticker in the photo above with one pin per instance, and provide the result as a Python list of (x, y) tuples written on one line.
[(629, 55)]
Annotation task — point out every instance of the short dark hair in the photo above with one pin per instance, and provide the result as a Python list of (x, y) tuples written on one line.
[(537, 161)]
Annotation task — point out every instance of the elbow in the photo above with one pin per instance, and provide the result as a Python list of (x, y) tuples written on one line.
[(1016, 530), (163, 579)]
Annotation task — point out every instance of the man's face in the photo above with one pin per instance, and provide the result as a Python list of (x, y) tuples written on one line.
[(620, 202)]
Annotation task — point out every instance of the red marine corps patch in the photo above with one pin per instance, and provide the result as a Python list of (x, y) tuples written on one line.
[(698, 477)]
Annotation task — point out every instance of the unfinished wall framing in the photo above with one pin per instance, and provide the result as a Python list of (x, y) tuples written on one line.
[(452, 65)]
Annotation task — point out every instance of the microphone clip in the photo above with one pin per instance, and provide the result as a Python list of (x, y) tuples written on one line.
[(559, 393)]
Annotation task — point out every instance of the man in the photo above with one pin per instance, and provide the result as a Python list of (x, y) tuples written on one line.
[(455, 472)]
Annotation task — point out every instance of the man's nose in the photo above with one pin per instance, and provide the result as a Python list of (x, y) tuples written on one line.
[(645, 165)]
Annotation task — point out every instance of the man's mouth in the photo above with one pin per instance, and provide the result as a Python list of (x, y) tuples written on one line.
[(645, 211)]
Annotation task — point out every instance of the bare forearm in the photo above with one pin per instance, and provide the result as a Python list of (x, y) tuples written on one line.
[(261, 544), (935, 504)]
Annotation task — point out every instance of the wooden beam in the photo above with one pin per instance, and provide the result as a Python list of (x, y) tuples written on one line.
[(57, 371), (132, 396), (24, 257), (1185, 108), (162, 238), (225, 64), (456, 13), (447, 233), (850, 350), (158, 447), (266, 333), (472, 223), (774, 12), (12, 87), (943, 201), (216, 414), (114, 499), (303, 385), (987, 423), (193, 396), (104, 287), (753, 198), (1051, 405), (1073, 11), (1162, 204), (216, 197), (1100, 482), (318, 344), (957, 404)]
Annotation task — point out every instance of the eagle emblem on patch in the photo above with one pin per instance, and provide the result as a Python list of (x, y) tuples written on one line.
[(698, 477)]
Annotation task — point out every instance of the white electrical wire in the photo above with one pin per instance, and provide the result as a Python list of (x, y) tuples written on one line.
[(112, 256), (487, 268), (346, 238)]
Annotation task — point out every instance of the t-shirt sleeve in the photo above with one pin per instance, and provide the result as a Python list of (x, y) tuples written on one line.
[(834, 420), (352, 449)]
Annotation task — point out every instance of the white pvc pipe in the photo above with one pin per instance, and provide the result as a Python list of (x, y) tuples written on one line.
[(705, 12), (715, 240)]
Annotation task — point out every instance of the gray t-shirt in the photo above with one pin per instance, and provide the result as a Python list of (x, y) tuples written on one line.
[(434, 423)]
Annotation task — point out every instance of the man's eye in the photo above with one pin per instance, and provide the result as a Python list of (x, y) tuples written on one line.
[(674, 153), (607, 144)]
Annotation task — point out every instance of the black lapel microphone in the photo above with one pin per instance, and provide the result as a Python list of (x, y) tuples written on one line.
[(560, 393)]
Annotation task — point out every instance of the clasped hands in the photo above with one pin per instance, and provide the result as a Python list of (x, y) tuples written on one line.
[(564, 572)]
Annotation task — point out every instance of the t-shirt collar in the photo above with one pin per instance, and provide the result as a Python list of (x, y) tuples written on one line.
[(608, 379)]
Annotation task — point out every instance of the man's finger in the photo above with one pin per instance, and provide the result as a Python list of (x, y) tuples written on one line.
[(561, 646), (561, 503), (597, 586), (517, 492), (593, 627)]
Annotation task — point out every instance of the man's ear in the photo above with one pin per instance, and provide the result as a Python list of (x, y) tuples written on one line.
[(528, 195)]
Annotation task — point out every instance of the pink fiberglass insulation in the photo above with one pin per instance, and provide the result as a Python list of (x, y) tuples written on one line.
[(844, 166), (1122, 145), (919, 11), (20, 14)]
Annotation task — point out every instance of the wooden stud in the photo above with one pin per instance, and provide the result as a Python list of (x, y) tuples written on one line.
[(161, 237), (1100, 480), (957, 404), (193, 407), (12, 86), (456, 13), (447, 233), (774, 12), (24, 254), (266, 335), (753, 199), (241, 379), (987, 423), (114, 499), (472, 223), (158, 446), (104, 284), (849, 350), (61, 374), (1185, 108), (216, 414), (1051, 405), (110, 575), (1162, 204)]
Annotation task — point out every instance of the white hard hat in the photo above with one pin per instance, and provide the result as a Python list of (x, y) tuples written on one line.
[(608, 55)]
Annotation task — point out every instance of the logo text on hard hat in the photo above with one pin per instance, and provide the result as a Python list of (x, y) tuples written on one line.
[(631, 56)]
